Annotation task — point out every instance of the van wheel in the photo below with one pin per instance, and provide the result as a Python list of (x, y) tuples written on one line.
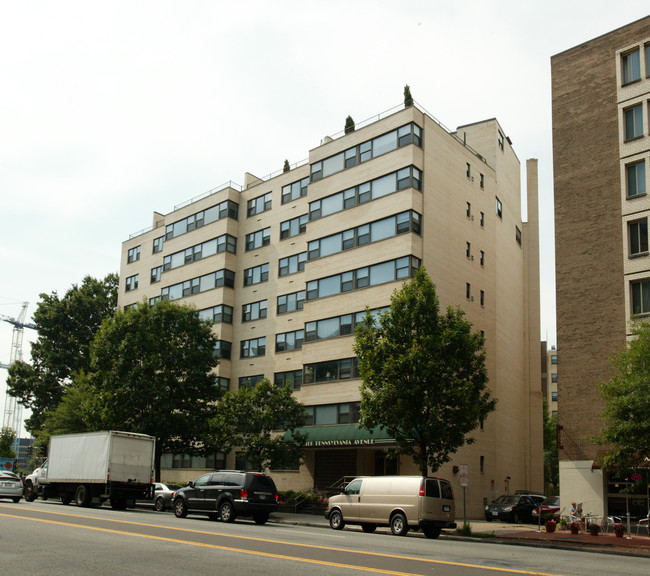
[(368, 528), (336, 520), (398, 525), (431, 532)]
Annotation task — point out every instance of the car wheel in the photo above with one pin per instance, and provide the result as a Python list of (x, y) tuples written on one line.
[(431, 532), (82, 496), (30, 492), (118, 503), (16, 499), (66, 500), (159, 504), (398, 524), (336, 520), (227, 512), (368, 528), (488, 519), (180, 508), (261, 518)]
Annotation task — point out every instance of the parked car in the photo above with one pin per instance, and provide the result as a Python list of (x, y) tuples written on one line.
[(11, 486), (162, 499), (513, 507), (549, 506), (227, 494)]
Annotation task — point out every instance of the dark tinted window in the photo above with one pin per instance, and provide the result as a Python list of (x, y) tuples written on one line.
[(432, 489), (202, 480), (261, 482), (354, 487), (447, 492), (217, 479), (233, 480)]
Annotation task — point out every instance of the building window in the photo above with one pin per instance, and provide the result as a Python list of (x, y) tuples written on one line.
[(633, 122), (226, 209), (250, 382), (258, 239), (389, 271), (295, 190), (224, 243), (223, 349), (635, 176), (554, 359), (554, 396), (132, 282), (134, 254), (482, 181), (217, 314), (482, 298), (259, 204), (292, 378), (293, 227), (482, 220), (640, 297), (256, 274), (468, 210), (337, 326), (518, 235), (325, 414), (158, 244), (156, 274), (638, 236), (468, 290), (289, 341), (482, 258), (331, 371), (253, 348), (222, 383), (468, 170), (647, 60), (292, 264), (404, 222), (468, 249), (217, 279), (499, 208), (554, 377), (482, 465), (291, 302), (500, 139), (631, 66), (254, 311)]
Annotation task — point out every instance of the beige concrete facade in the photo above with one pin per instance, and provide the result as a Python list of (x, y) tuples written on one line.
[(596, 265), (472, 240)]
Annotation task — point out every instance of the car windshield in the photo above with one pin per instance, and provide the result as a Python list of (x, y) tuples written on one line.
[(551, 501), (507, 500)]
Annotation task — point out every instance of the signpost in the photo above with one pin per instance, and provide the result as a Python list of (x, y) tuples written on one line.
[(464, 482)]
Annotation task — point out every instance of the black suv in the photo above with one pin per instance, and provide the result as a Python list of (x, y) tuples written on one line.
[(226, 494)]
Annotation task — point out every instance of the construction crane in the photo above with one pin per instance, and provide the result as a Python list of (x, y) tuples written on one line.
[(13, 414)]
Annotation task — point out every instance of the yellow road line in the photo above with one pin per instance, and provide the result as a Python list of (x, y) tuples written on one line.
[(265, 540)]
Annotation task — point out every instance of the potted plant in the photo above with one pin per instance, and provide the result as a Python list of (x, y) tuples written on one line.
[(594, 529), (563, 524), (574, 527), (550, 526), (619, 530)]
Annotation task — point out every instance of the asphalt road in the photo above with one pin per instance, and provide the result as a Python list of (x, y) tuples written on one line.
[(53, 539)]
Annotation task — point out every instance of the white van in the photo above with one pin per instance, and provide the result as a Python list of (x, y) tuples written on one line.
[(401, 502)]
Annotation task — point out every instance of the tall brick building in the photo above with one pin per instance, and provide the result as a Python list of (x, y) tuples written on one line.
[(601, 148)]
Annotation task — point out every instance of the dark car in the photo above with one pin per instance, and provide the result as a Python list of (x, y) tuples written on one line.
[(227, 494), (549, 506), (513, 507)]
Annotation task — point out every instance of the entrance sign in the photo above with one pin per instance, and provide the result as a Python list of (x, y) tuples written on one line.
[(463, 475)]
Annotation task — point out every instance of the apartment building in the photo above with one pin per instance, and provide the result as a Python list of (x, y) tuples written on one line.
[(285, 266), (601, 150), (549, 378)]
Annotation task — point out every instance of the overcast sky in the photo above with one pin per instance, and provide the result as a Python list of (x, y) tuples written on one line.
[(111, 110)]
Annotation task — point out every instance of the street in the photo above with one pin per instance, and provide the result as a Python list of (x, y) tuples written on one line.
[(66, 540)]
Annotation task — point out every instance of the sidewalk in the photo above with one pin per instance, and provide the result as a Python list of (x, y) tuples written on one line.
[(503, 533)]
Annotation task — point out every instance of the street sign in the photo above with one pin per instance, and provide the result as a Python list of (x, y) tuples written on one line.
[(463, 475)]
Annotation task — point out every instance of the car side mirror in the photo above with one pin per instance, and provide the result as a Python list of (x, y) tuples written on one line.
[(190, 484)]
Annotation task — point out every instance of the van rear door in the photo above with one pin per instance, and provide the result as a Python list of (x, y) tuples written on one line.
[(438, 502)]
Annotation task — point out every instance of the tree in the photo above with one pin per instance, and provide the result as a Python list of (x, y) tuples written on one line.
[(151, 373), (408, 99), (65, 329), (349, 125), (424, 375), (286, 166), (250, 417), (7, 439), (551, 459), (626, 397)]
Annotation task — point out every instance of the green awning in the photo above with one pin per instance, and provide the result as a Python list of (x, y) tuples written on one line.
[(343, 435)]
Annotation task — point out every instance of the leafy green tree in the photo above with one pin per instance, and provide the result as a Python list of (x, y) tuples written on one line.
[(151, 372), (250, 418), (626, 395), (7, 439), (66, 327), (286, 166), (408, 99), (424, 375), (349, 125), (551, 459)]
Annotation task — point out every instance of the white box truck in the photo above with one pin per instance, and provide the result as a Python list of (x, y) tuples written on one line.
[(95, 466)]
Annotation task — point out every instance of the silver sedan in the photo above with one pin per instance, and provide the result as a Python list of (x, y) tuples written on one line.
[(11, 486)]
